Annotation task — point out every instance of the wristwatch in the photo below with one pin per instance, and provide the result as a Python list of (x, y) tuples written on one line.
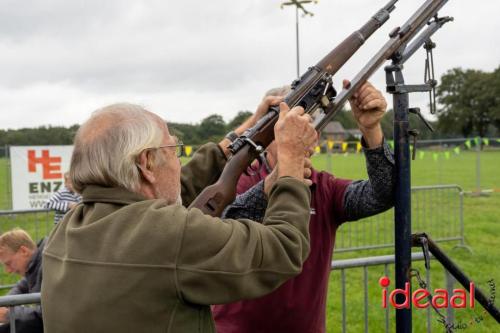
[(231, 136)]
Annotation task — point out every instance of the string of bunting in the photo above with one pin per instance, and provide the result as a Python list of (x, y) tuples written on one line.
[(344, 145)]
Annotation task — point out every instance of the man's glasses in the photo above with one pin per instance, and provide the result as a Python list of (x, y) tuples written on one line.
[(178, 147)]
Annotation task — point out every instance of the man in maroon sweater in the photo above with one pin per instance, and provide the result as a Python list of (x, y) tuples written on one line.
[(299, 305)]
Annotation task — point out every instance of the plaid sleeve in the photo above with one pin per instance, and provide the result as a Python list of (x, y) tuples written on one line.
[(369, 197), (249, 205)]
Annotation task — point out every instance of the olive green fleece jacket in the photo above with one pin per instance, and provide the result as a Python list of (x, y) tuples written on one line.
[(121, 263)]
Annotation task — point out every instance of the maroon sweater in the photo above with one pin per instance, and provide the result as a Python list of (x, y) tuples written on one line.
[(299, 305)]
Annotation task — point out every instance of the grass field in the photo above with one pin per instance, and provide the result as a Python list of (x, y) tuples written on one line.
[(481, 219), (482, 234)]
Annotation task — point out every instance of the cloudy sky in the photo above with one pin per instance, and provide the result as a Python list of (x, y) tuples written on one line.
[(185, 60)]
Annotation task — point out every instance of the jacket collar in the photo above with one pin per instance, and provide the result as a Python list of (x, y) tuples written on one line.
[(36, 257), (118, 195)]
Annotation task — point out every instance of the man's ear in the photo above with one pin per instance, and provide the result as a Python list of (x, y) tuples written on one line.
[(25, 251), (145, 165)]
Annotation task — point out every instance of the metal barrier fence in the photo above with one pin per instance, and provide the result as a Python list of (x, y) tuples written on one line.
[(437, 210), (5, 181), (12, 301), (340, 265), (385, 261)]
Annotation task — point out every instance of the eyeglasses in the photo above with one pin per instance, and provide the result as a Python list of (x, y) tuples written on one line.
[(178, 147)]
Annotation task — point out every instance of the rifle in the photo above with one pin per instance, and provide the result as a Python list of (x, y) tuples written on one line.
[(314, 92)]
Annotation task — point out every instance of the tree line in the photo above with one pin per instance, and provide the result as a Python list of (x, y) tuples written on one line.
[(469, 105)]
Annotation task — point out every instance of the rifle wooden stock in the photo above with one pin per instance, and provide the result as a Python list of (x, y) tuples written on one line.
[(312, 90), (213, 199)]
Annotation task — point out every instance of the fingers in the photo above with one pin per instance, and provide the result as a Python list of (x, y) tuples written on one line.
[(369, 98), (283, 109), (374, 104), (271, 100), (307, 163), (346, 84), (266, 103), (307, 171), (310, 150)]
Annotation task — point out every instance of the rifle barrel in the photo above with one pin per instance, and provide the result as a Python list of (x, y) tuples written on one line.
[(398, 40)]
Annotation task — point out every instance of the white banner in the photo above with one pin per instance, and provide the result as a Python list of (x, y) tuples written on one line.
[(36, 173)]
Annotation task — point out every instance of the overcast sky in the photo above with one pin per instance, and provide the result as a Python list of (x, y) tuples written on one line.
[(185, 60)]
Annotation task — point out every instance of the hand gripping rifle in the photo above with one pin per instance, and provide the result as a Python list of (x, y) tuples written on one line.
[(312, 90)]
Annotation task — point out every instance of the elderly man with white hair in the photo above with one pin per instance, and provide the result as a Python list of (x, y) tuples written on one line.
[(130, 258)]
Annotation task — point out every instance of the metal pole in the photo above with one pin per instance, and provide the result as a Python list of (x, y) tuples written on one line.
[(402, 207), (478, 166), (297, 38)]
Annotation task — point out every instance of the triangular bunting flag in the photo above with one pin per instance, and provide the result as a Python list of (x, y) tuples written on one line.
[(421, 154), (457, 150), (358, 147), (317, 149), (447, 155), (344, 146), (486, 141), (468, 144), (188, 150), (330, 144)]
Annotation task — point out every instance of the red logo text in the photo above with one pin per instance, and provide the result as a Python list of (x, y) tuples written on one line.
[(51, 165), (421, 298)]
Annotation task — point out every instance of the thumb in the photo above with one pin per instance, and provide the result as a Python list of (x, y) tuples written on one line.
[(283, 109)]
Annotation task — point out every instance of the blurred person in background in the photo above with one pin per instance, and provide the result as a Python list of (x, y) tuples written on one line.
[(63, 200), (20, 255)]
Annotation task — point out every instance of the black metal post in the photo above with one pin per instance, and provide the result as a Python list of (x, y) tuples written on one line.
[(402, 207)]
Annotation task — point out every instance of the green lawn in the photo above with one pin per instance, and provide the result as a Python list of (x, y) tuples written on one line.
[(481, 218), (458, 169)]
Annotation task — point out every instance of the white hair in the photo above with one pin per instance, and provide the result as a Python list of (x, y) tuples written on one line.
[(107, 146), (279, 91)]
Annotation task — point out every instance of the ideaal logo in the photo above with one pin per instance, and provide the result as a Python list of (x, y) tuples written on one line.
[(51, 169), (441, 298)]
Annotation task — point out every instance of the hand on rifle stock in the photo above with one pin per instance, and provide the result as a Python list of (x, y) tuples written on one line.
[(295, 138), (264, 105)]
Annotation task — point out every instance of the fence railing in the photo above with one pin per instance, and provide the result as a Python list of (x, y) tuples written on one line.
[(12, 301), (437, 210), (385, 261)]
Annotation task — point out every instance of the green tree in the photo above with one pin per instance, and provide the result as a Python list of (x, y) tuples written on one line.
[(470, 101), (212, 127), (238, 119)]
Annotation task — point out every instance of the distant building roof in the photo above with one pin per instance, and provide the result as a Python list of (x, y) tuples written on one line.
[(334, 127), (355, 132)]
